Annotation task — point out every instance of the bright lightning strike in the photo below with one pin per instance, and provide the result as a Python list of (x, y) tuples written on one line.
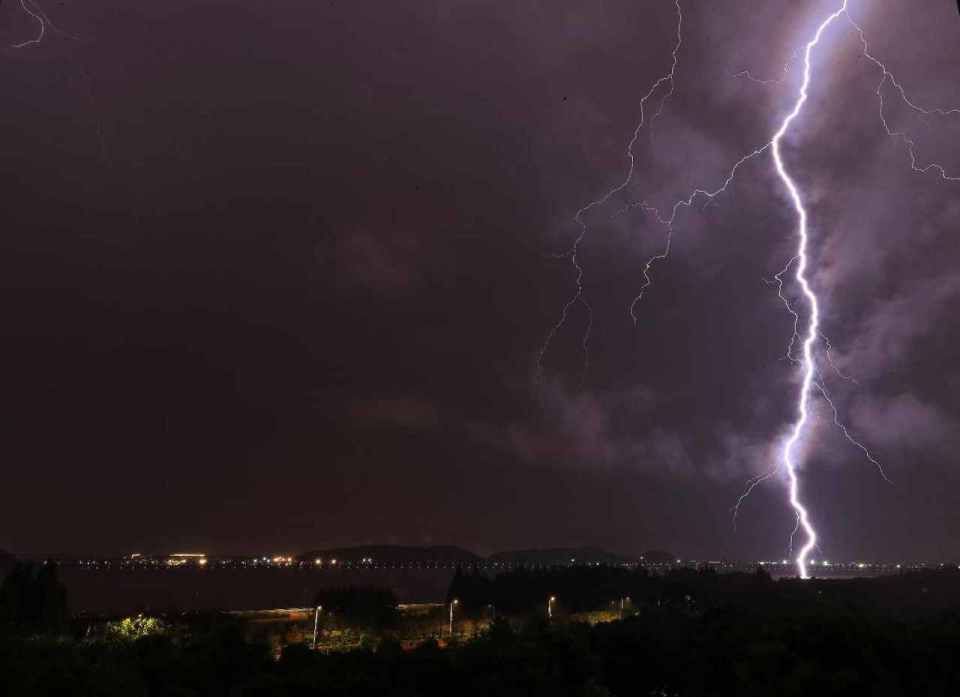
[(813, 325), (800, 261)]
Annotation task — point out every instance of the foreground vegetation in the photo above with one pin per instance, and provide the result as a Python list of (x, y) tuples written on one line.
[(686, 634)]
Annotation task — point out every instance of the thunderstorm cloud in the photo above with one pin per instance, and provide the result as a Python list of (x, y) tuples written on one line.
[(299, 259)]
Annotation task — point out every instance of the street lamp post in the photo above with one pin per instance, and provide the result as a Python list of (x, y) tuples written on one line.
[(550, 601), (452, 604), (316, 625)]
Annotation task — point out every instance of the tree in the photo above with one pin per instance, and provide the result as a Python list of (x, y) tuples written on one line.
[(133, 628), (34, 599)]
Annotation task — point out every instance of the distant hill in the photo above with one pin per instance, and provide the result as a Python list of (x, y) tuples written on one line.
[(395, 554), (560, 556)]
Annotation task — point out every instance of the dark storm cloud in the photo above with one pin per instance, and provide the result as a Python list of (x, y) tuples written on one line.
[(291, 262), (408, 412)]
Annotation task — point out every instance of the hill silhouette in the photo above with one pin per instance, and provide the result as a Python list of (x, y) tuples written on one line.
[(444, 554)]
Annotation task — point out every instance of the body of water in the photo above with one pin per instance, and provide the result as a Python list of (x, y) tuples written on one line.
[(123, 591)]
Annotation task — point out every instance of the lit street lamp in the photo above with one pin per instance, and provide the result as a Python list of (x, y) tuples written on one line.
[(550, 601), (452, 604)]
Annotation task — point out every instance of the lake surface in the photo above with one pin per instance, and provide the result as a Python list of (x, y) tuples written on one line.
[(123, 591), (117, 590)]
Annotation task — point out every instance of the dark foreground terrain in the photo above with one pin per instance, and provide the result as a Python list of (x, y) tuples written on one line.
[(685, 633)]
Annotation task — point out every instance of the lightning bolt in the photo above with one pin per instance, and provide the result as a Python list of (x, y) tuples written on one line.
[(44, 23), (846, 432), (748, 75), (31, 9), (809, 381), (778, 282), (811, 336), (887, 76), (573, 253), (828, 352), (752, 484), (813, 325)]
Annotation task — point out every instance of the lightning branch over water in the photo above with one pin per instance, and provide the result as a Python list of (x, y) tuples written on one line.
[(811, 338)]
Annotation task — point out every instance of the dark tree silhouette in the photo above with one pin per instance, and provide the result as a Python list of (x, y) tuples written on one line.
[(33, 599), (369, 607)]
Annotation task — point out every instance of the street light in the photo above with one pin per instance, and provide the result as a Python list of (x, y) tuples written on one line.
[(550, 601), (452, 604), (316, 625)]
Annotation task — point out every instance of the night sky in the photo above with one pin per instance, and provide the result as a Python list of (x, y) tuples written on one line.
[(276, 274)]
